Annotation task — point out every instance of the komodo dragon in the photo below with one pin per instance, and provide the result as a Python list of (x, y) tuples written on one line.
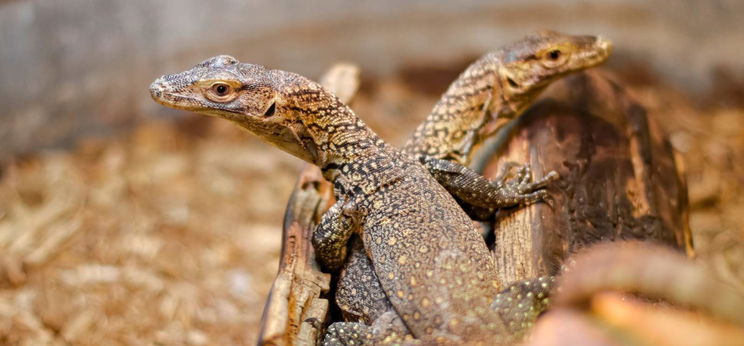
[(431, 261)]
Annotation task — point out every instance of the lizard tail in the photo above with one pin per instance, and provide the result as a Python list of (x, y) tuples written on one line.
[(650, 270)]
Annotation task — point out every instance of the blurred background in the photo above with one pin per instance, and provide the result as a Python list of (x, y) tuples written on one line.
[(122, 221)]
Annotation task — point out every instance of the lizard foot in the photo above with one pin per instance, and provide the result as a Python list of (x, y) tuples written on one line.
[(520, 186), (388, 329), (348, 333), (480, 196)]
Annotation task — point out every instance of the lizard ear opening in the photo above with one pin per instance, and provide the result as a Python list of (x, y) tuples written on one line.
[(512, 83), (271, 110)]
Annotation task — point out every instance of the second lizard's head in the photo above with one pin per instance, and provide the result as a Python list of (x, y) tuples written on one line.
[(282, 108), (528, 66)]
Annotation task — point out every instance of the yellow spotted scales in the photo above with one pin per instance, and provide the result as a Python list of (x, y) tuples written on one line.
[(494, 89)]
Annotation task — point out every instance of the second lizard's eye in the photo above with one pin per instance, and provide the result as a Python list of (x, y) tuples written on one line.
[(220, 92), (554, 54), (554, 57)]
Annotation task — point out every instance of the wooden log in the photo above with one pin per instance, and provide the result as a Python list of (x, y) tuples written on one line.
[(620, 178), (296, 309)]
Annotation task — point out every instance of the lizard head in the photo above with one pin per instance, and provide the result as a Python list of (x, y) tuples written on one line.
[(255, 98), (528, 66)]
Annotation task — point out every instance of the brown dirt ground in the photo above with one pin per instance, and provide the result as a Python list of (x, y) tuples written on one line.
[(170, 234)]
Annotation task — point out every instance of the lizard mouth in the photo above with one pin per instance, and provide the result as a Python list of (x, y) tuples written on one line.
[(161, 93)]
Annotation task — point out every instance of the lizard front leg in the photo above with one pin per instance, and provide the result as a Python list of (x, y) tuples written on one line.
[(359, 294), (388, 329), (483, 196), (331, 237)]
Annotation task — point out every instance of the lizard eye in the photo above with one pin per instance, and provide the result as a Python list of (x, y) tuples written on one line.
[(554, 54), (554, 58), (221, 89), (220, 92)]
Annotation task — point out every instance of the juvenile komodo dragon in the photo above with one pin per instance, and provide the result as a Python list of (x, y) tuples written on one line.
[(432, 263), (490, 92)]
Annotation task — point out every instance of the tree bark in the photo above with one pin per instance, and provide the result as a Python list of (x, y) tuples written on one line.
[(620, 178), (296, 308)]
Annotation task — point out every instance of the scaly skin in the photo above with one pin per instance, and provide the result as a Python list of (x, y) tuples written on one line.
[(495, 89), (476, 104), (518, 307), (430, 261)]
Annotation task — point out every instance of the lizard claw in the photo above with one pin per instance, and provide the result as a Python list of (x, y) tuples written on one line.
[(506, 173), (527, 186), (549, 200), (525, 175), (536, 196)]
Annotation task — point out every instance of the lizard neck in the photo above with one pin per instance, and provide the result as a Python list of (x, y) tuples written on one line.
[(343, 146), (368, 173), (452, 129)]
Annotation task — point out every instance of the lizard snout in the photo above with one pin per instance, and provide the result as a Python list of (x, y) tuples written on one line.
[(605, 45), (156, 88)]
